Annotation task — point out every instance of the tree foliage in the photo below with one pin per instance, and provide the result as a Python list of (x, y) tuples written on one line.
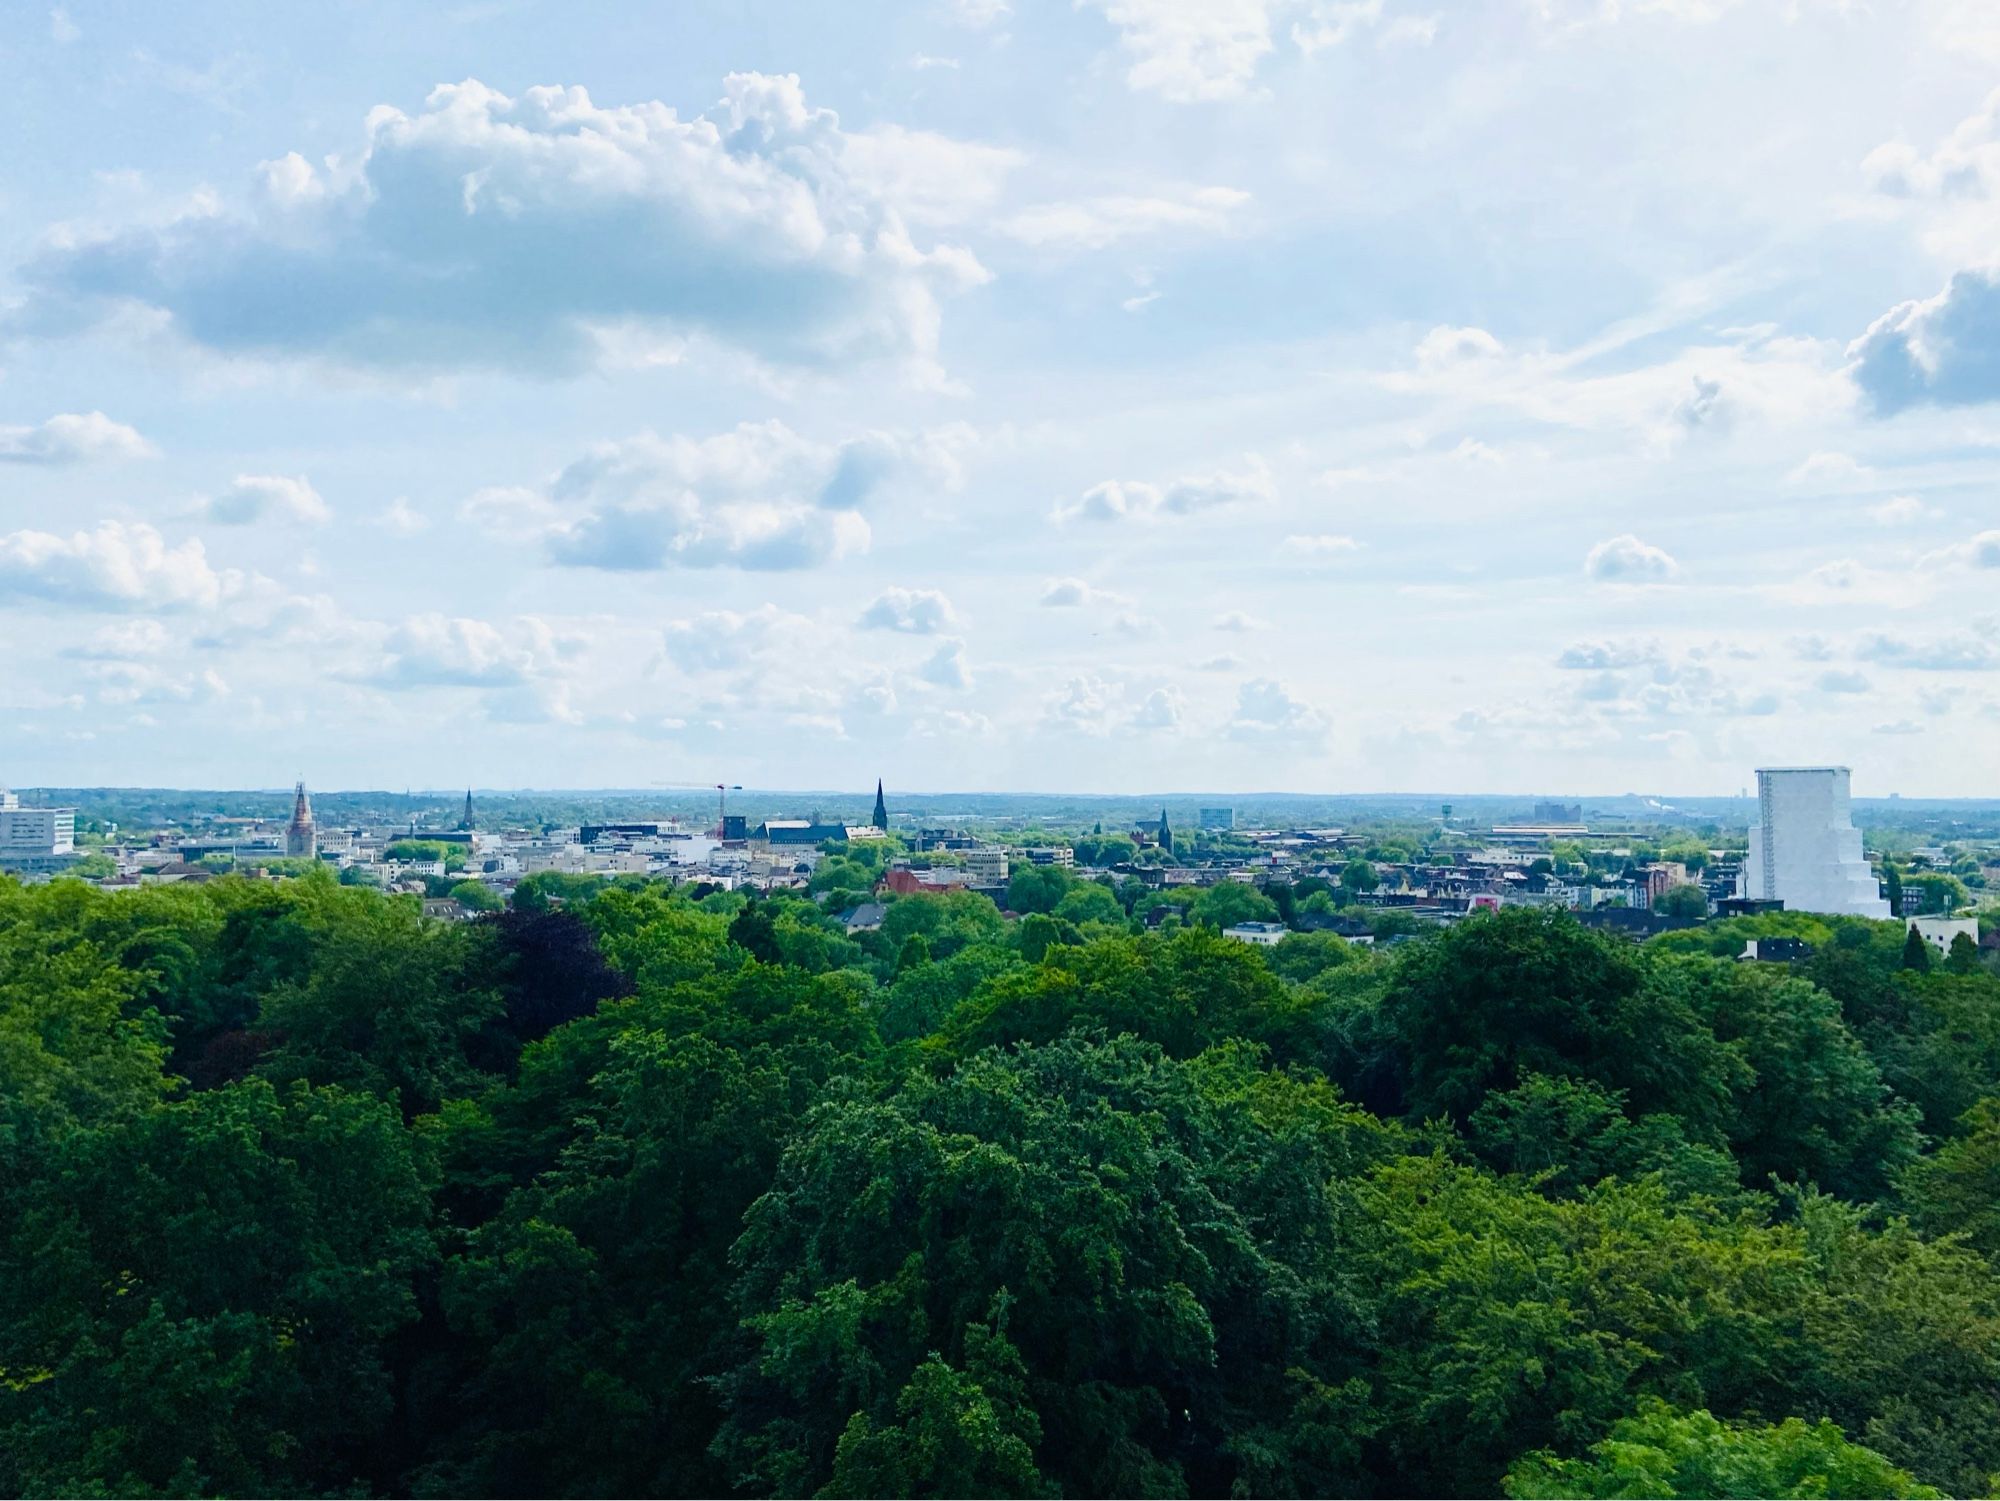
[(630, 1190)]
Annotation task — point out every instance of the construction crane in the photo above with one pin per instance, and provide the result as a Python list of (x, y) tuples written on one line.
[(722, 791)]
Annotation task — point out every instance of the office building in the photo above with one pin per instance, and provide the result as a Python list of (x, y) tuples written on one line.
[(1216, 820), (35, 841), (1804, 848)]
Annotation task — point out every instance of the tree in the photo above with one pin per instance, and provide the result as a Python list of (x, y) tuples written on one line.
[(1684, 900), (1037, 888), (755, 932), (1227, 903), (1963, 959), (1917, 953), (476, 896), (1660, 1452), (1358, 877)]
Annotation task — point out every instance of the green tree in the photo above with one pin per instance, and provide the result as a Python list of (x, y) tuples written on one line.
[(1682, 901), (1660, 1452), (1227, 903), (1917, 953)]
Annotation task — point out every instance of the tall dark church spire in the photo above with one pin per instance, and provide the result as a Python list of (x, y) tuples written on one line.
[(1166, 833), (465, 822), (881, 818)]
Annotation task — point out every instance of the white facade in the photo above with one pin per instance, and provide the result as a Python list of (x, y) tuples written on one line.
[(1938, 932), (36, 831), (1804, 848), (987, 865), (1264, 934)]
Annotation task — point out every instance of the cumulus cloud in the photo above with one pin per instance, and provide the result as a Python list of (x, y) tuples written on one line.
[(757, 497), (1943, 350), (915, 612), (1835, 681), (114, 566), (723, 640), (453, 238), (1979, 551), (1444, 347), (1627, 560), (1238, 621), (1069, 594), (1827, 471), (1901, 510), (947, 667), (1959, 652), (72, 438), (1162, 709), (1266, 709), (1135, 500), (438, 651), (1190, 51), (258, 497), (1603, 656), (1094, 223)]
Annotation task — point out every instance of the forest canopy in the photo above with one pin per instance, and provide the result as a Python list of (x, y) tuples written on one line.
[(629, 1191)]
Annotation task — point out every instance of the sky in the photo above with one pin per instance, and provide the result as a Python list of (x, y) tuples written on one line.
[(1312, 395)]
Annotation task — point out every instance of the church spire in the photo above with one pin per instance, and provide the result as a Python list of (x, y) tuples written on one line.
[(465, 821), (301, 838), (1166, 833), (881, 818)]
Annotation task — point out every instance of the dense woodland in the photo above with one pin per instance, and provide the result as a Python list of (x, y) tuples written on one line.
[(634, 1191)]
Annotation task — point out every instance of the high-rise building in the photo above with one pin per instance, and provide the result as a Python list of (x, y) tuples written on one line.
[(1216, 820), (36, 841), (301, 839), (1804, 848)]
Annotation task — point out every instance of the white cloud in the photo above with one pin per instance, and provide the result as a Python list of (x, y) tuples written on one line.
[(1829, 471), (1267, 710), (114, 566), (258, 497), (1162, 709), (401, 519), (979, 14), (1899, 727), (122, 640), (757, 497), (1071, 593), (761, 225), (1835, 681), (1191, 50), (1979, 551), (1094, 223), (1238, 621), (916, 612), (62, 29), (72, 438), (1902, 510), (1627, 560), (1125, 500), (1943, 350), (1444, 347), (1601, 656), (947, 667), (1959, 652), (438, 651), (724, 640)]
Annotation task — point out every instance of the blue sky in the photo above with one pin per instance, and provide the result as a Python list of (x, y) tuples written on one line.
[(1324, 395)]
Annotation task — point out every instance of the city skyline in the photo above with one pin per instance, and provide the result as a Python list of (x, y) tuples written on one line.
[(1139, 394)]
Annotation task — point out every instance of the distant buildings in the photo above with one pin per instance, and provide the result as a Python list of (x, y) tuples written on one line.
[(1939, 932), (1804, 848), (1216, 820), (36, 841)]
